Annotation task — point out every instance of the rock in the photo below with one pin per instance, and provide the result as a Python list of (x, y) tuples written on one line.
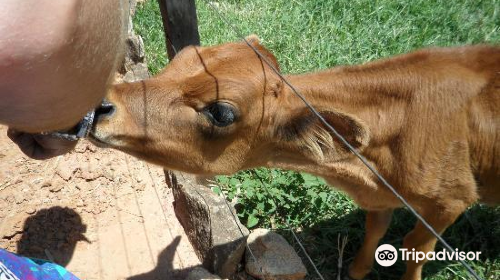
[(88, 175), (139, 178), (135, 51), (10, 198), (274, 255), (199, 273), (56, 187), (90, 171), (91, 148), (242, 275), (80, 203), (12, 225), (109, 174), (19, 198), (46, 184), (65, 170), (80, 148), (134, 67), (137, 72), (139, 187), (210, 226)]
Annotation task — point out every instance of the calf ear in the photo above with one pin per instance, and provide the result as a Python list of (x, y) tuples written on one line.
[(305, 133), (254, 40)]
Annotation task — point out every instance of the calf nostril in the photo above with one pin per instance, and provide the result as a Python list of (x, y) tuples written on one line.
[(106, 110)]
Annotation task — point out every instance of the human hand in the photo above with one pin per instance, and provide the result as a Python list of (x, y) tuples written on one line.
[(38, 146)]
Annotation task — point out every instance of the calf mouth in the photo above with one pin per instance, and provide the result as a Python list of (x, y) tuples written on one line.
[(98, 141), (104, 112)]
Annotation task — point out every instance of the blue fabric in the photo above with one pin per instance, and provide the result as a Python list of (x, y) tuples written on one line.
[(14, 267)]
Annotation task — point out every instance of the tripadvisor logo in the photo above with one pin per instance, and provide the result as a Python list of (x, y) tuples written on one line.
[(387, 255)]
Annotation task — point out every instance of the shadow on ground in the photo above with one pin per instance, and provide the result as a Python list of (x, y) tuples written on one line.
[(164, 267), (165, 270), (475, 230), (52, 234)]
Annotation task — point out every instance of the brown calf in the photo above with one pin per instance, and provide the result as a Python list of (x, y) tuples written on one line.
[(429, 121)]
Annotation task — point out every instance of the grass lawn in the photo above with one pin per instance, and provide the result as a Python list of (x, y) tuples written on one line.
[(308, 35)]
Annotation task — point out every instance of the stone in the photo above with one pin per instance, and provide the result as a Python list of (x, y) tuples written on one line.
[(65, 170), (80, 203), (139, 187), (80, 148), (46, 184), (88, 171), (137, 72), (109, 174), (10, 198), (132, 4), (91, 148), (218, 240), (12, 225), (19, 198), (56, 187), (135, 50), (134, 67), (242, 275), (199, 273), (274, 259)]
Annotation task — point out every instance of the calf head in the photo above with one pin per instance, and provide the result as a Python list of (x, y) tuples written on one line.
[(217, 110)]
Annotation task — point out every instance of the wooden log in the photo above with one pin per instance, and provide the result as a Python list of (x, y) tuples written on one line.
[(180, 24)]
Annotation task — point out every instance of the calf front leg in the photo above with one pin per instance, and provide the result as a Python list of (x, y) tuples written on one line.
[(422, 240), (377, 223)]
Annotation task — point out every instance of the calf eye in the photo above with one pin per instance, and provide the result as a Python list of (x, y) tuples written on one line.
[(220, 114)]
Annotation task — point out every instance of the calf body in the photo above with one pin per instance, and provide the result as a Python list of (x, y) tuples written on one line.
[(429, 121)]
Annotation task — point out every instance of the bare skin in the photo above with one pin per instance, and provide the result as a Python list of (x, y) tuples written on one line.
[(57, 59), (429, 121)]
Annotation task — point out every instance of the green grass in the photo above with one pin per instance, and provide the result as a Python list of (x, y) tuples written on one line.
[(308, 35)]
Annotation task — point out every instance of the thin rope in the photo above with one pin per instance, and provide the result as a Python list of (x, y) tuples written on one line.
[(344, 141), (236, 221), (305, 252), (171, 44)]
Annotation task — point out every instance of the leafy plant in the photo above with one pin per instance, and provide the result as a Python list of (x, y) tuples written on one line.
[(274, 198)]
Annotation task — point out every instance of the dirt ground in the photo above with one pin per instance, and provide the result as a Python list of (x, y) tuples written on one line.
[(99, 212)]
